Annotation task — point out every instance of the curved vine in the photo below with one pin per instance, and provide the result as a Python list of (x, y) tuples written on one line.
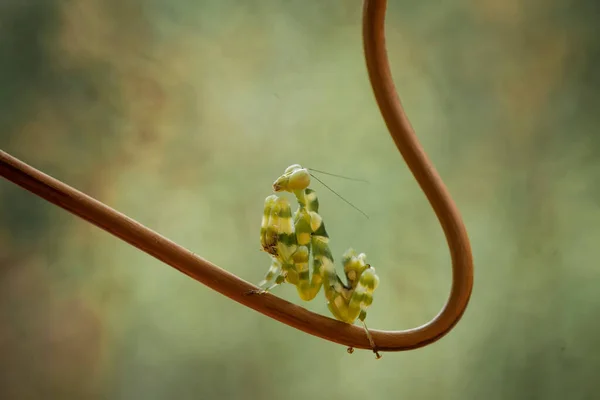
[(152, 243)]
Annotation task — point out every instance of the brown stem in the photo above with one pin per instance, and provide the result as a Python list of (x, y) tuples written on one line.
[(235, 288), (424, 172)]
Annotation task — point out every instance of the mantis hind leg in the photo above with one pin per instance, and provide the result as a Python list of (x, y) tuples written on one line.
[(362, 298), (349, 304), (371, 341)]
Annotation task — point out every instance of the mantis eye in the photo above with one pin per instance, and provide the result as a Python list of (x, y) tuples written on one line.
[(299, 179)]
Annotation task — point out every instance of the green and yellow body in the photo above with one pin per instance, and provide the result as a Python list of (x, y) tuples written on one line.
[(292, 240)]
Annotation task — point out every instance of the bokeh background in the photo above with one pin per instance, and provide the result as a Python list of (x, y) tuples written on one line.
[(181, 114)]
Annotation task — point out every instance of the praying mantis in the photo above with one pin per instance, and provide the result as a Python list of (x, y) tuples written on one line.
[(290, 239)]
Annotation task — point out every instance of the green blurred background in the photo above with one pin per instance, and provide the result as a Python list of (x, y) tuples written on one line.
[(181, 114)]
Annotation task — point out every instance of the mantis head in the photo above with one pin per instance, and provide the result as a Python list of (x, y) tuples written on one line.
[(294, 178)]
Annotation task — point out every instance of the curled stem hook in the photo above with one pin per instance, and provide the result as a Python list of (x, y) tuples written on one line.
[(429, 180), (185, 261)]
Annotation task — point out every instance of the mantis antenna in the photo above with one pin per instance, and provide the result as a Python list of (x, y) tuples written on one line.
[(229, 285), (338, 176), (339, 195)]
